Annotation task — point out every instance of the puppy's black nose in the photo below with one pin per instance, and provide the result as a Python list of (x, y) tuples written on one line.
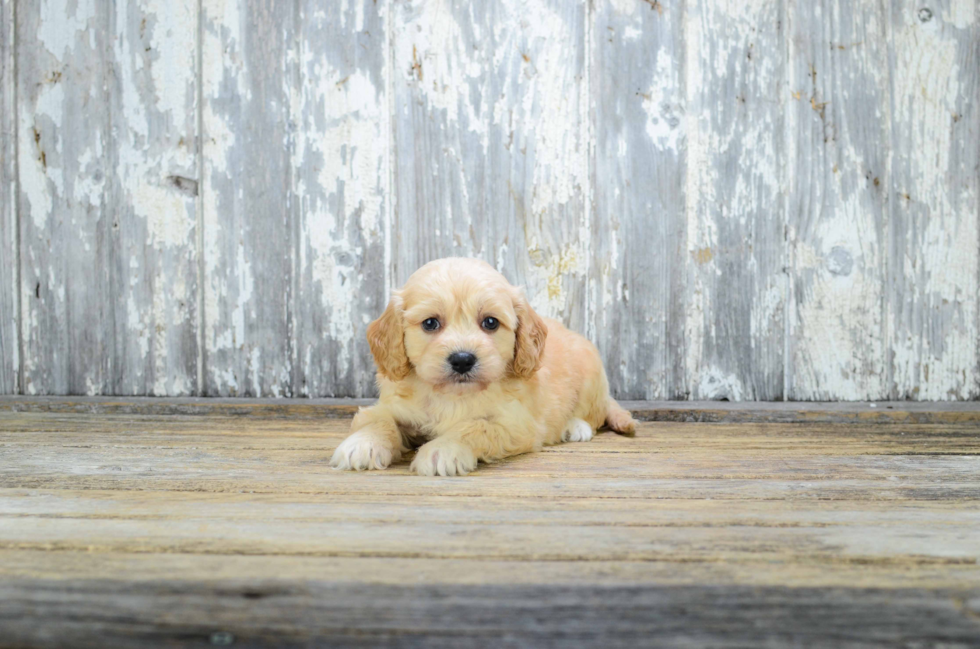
[(462, 362)]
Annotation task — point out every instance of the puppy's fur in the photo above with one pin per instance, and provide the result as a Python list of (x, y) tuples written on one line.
[(534, 381)]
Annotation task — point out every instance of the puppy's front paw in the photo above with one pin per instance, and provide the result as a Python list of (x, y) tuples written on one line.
[(444, 457), (365, 449), (577, 430)]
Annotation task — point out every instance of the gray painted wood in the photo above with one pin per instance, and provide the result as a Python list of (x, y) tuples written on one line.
[(9, 311), (933, 263), (490, 139), (339, 121), (248, 217), (109, 269), (638, 276), (147, 527), (279, 613), (151, 197), (63, 131), (838, 181), (735, 72), (760, 200)]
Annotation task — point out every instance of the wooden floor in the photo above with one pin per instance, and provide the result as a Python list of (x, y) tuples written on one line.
[(181, 523)]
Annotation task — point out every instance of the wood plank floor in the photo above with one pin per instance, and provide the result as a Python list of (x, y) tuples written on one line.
[(148, 522)]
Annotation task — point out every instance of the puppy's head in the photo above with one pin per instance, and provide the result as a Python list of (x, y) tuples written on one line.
[(460, 325)]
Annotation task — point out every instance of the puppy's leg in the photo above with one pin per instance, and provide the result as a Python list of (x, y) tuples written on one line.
[(457, 453), (374, 443), (577, 430)]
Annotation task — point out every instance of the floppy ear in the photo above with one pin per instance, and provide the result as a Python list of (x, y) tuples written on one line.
[(386, 336), (530, 337)]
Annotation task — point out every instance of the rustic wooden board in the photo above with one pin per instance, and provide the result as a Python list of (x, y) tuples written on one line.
[(9, 244), (934, 265), (735, 72), (295, 101), (108, 129), (151, 198), (118, 529), (65, 229), (248, 218), (839, 196), (492, 528), (340, 193), (638, 281), (267, 570), (319, 612), (491, 144)]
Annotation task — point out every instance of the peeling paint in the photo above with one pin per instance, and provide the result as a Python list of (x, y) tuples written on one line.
[(934, 306), (727, 221)]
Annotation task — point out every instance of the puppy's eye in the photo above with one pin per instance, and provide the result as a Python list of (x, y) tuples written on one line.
[(490, 323), (430, 324)]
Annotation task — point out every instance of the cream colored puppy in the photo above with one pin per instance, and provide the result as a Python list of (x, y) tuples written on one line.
[(469, 370)]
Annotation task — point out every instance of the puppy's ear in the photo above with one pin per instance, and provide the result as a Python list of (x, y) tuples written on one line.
[(530, 338), (386, 336)]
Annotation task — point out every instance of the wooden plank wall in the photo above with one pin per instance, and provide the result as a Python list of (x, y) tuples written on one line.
[(764, 200)]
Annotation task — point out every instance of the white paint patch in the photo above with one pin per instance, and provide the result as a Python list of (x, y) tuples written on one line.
[(431, 53), (716, 384), (173, 45), (36, 171), (63, 24), (169, 220), (962, 14), (631, 33), (627, 7), (664, 105)]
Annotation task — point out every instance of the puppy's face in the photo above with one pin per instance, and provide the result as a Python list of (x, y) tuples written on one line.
[(460, 326)]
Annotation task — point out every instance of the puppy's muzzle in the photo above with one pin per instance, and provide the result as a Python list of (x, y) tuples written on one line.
[(461, 362)]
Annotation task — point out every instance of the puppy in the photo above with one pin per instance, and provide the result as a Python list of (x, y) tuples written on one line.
[(468, 370)]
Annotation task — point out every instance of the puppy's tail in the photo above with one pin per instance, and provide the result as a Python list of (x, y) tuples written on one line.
[(619, 419)]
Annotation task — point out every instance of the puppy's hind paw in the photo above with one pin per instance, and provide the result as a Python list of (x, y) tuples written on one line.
[(577, 430), (621, 421), (364, 450)]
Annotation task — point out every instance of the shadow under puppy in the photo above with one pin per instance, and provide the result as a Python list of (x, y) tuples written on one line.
[(467, 367)]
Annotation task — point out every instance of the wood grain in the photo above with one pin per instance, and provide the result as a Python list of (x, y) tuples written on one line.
[(296, 101), (339, 194), (151, 196), (9, 244), (934, 265), (744, 201), (321, 612), (735, 73), (490, 139), (65, 224), (839, 196), (247, 216), (118, 529), (638, 283), (108, 126)]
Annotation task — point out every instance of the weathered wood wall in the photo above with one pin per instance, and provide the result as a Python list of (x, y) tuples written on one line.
[(765, 199)]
